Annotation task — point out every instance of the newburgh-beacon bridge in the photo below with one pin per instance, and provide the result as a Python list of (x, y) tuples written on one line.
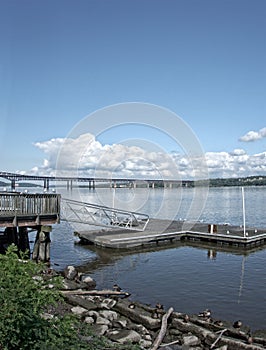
[(91, 181)]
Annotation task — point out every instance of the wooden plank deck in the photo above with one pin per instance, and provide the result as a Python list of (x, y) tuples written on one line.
[(165, 231), (23, 209)]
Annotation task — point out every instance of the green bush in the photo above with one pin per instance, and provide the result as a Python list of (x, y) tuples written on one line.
[(25, 295)]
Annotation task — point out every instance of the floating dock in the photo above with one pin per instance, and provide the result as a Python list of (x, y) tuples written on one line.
[(160, 231)]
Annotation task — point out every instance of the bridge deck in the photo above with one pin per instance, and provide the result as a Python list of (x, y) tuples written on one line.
[(163, 231), (23, 209)]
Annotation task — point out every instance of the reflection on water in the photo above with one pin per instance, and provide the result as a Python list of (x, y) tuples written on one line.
[(190, 278)]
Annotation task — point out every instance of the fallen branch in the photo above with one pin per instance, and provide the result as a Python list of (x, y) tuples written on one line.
[(95, 292), (219, 337), (169, 344), (163, 329)]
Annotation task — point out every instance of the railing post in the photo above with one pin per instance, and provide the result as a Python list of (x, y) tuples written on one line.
[(13, 184), (46, 184)]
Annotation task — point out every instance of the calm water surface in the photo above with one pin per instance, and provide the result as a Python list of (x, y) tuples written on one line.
[(189, 278)]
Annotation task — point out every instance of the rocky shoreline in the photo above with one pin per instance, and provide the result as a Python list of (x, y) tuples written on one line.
[(113, 315)]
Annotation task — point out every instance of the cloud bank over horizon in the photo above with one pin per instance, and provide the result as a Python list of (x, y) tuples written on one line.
[(84, 156)]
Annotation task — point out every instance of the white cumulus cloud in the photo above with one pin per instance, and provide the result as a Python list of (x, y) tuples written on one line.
[(84, 156), (253, 135)]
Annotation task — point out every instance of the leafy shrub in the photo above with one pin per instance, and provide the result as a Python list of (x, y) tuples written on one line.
[(25, 295)]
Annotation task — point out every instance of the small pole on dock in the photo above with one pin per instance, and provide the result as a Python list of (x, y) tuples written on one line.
[(244, 211)]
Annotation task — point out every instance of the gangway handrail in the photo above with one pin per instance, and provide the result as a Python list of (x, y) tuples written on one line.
[(100, 215)]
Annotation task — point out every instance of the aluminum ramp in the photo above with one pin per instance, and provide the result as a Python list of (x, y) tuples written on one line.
[(97, 215)]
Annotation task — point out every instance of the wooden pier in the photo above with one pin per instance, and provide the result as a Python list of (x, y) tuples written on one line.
[(21, 212), (159, 232), (23, 209)]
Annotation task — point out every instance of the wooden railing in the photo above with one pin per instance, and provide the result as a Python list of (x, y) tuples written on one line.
[(29, 204)]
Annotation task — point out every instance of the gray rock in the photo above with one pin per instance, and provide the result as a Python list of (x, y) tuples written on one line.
[(99, 329), (70, 272), (102, 320), (145, 343), (175, 332), (78, 310), (147, 337), (89, 320), (141, 329), (125, 336), (70, 285), (109, 315), (94, 314), (191, 340), (122, 322), (89, 281)]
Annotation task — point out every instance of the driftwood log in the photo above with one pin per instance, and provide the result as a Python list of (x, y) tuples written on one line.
[(210, 333), (76, 300), (137, 314), (95, 292), (163, 330)]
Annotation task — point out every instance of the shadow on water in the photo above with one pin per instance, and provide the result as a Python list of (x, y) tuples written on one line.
[(108, 256)]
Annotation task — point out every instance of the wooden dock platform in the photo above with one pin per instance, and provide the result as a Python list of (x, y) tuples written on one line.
[(166, 231), (20, 212), (24, 209)]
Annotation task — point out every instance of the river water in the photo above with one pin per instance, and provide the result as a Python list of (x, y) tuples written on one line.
[(188, 277)]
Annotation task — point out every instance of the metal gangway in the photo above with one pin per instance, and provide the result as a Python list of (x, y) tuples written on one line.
[(97, 215)]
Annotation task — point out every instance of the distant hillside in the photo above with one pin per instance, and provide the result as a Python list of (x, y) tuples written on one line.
[(239, 181), (4, 184), (20, 184)]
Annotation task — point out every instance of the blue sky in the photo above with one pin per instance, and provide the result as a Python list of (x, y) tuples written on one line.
[(62, 60)]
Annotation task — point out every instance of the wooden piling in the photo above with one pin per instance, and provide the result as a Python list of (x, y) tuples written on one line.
[(23, 240), (41, 250), (12, 235)]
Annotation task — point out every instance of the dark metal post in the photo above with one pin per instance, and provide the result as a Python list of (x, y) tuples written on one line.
[(13, 184), (46, 184)]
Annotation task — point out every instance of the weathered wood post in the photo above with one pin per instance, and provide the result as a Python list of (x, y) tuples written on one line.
[(12, 235), (41, 250), (23, 240)]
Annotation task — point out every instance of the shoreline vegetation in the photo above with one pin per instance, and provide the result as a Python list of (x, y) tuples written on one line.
[(46, 309), (212, 182)]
